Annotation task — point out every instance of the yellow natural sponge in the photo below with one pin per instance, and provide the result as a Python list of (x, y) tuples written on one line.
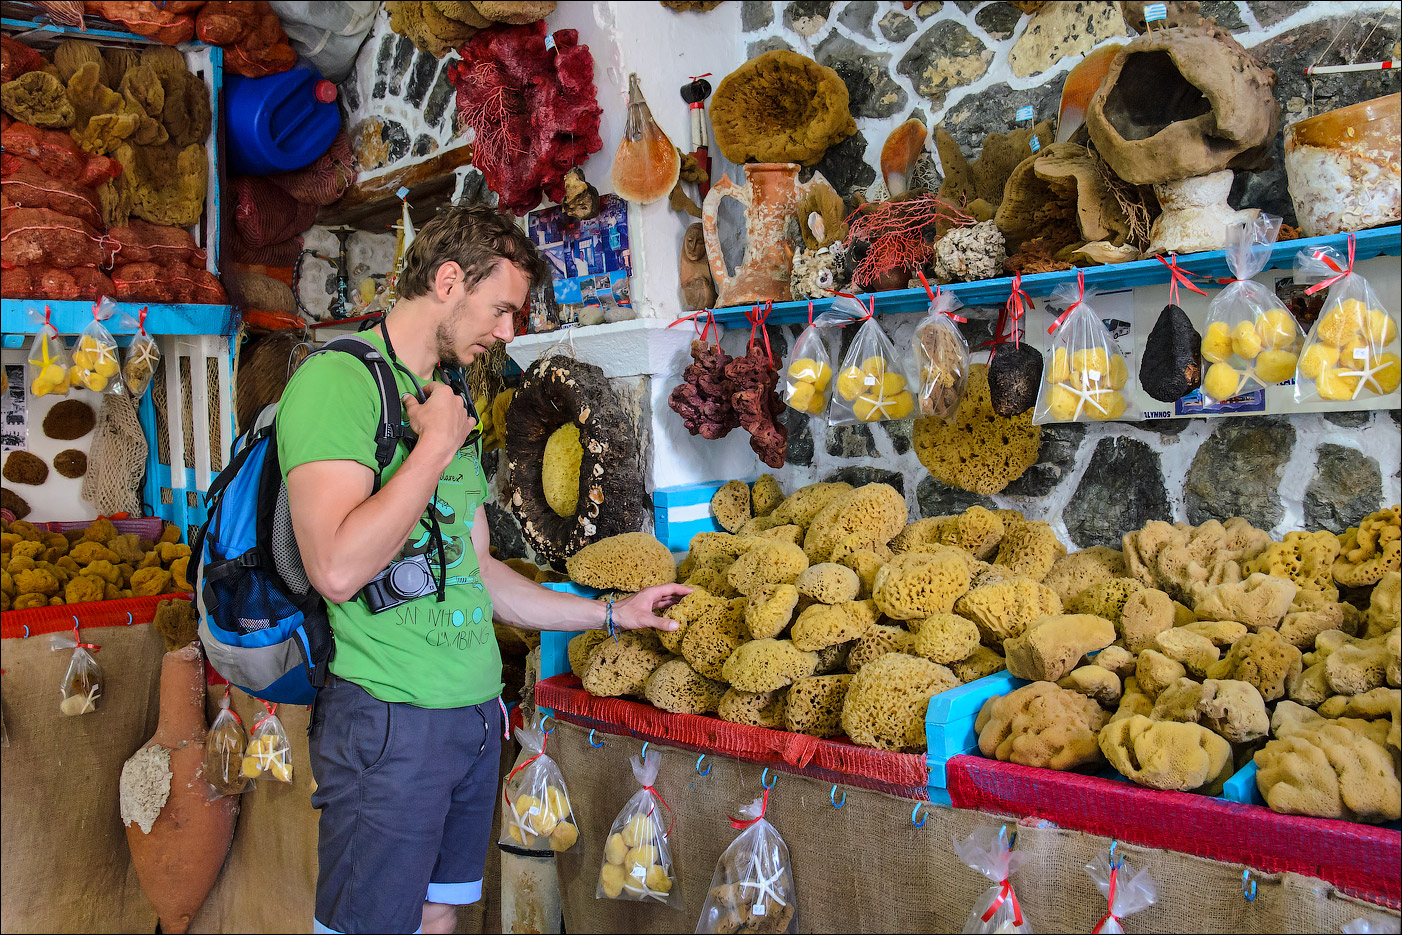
[(764, 665), (828, 583), (877, 641), (627, 562), (860, 541), (1043, 725), (769, 610), (756, 525), (730, 505), (788, 532), (824, 625), (1078, 571), (675, 686), (977, 450), (878, 509), (767, 561), (621, 667), (1329, 772), (1167, 755), (886, 701), (1260, 602), (918, 535), (946, 638), (757, 709), (710, 640), (1233, 710), (982, 661), (559, 472), (1052, 646), (766, 495), (1385, 607), (815, 705), (1095, 682), (976, 530), (1005, 608), (1030, 549), (1154, 672), (1370, 549), (1264, 659), (697, 605), (717, 549), (1306, 558), (804, 503), (1196, 652), (1106, 599), (918, 584)]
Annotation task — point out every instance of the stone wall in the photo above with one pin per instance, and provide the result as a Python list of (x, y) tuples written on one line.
[(971, 65)]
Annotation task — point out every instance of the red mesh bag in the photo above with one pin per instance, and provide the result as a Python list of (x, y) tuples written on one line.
[(284, 253), (199, 286), (265, 214), (167, 22), (16, 59), (28, 186), (55, 153), (158, 282), (325, 180), (142, 242), (255, 44), (41, 237), (81, 282)]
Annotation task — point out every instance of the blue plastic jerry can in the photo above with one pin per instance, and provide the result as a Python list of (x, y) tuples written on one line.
[(280, 122)]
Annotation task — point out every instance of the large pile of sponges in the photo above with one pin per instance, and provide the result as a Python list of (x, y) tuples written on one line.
[(39, 568), (1176, 659)]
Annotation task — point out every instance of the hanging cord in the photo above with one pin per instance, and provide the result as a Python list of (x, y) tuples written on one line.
[(1081, 297), (1177, 275), (78, 639), (1340, 272)]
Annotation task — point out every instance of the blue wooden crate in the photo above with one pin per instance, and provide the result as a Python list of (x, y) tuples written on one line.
[(949, 725), (679, 513), (1242, 786), (554, 644)]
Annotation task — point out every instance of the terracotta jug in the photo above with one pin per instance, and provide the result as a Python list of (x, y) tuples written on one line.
[(770, 195), (180, 859)]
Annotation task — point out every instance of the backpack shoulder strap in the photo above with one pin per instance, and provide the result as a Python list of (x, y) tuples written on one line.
[(391, 429)]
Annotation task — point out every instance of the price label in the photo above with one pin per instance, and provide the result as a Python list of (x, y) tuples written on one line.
[(1360, 353), (1035, 143), (550, 40), (1155, 12)]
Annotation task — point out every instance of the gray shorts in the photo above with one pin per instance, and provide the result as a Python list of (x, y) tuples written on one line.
[(407, 798)]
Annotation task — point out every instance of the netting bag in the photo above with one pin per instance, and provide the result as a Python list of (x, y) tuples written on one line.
[(224, 746), (1083, 372), (637, 859), (873, 384), (752, 888), (537, 813), (116, 459), (48, 360), (268, 752), (941, 355), (1250, 340), (81, 688), (1351, 352), (142, 357), (1126, 892), (988, 850), (95, 363), (808, 372)]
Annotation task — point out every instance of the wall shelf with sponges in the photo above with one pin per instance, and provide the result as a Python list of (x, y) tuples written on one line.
[(21, 317), (1383, 241)]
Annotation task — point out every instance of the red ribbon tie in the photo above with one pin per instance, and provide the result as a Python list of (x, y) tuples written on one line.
[(1081, 286), (1109, 901), (1005, 893), (1340, 273), (743, 823)]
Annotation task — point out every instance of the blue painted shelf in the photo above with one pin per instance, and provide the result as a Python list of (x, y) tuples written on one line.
[(1383, 241), (72, 317)]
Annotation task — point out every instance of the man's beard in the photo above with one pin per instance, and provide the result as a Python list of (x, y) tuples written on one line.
[(447, 353)]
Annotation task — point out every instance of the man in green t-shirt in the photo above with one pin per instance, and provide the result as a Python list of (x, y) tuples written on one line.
[(406, 734)]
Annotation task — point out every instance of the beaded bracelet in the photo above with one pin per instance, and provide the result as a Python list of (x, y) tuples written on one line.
[(608, 619)]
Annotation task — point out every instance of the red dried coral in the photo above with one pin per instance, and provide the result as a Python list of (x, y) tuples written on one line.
[(702, 399), (752, 381), (897, 235), (533, 109)]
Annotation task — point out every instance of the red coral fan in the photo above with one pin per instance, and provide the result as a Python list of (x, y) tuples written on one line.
[(897, 234), (533, 109)]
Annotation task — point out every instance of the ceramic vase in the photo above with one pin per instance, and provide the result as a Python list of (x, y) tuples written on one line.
[(179, 860), (770, 195)]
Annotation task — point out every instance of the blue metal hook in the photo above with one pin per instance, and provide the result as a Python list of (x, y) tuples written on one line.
[(1248, 887), (1114, 861), (548, 717), (643, 755), (26, 630), (765, 776), (832, 797), (914, 811), (591, 740), (129, 620), (698, 766)]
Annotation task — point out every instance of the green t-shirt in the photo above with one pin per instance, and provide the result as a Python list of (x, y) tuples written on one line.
[(425, 653)]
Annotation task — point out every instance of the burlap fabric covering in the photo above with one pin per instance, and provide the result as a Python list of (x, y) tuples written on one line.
[(65, 861), (268, 883), (866, 868)]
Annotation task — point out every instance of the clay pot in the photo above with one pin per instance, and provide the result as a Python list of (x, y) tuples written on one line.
[(770, 195), (178, 862), (1345, 167), (1195, 214)]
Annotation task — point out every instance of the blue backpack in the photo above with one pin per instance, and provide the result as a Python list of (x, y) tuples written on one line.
[(263, 625)]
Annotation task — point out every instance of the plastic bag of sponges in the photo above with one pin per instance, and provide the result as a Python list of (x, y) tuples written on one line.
[(1251, 339), (988, 849), (873, 384), (1084, 375), (637, 862), (537, 813), (752, 889), (808, 372), (1351, 352), (942, 356)]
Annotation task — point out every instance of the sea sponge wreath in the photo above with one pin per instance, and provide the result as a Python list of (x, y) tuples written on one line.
[(612, 498)]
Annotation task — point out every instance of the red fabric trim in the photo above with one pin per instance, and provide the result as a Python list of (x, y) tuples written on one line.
[(59, 617), (1359, 859), (902, 774), (147, 527)]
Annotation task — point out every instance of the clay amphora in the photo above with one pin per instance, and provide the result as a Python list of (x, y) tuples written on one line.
[(180, 859), (770, 195)]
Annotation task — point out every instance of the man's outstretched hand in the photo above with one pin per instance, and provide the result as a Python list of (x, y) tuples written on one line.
[(640, 611)]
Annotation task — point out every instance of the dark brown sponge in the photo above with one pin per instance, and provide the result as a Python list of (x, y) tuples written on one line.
[(21, 467), (9, 500), (69, 419), (71, 463)]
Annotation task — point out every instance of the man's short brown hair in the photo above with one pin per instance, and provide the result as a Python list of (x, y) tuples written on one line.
[(473, 236)]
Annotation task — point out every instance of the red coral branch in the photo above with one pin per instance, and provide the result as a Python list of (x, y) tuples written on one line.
[(899, 234)]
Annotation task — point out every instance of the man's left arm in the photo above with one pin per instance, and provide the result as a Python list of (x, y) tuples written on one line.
[(521, 602)]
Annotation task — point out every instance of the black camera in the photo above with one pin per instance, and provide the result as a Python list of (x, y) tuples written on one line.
[(405, 579)]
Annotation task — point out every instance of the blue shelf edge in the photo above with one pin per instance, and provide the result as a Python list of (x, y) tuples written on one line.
[(1382, 241), (73, 316)]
